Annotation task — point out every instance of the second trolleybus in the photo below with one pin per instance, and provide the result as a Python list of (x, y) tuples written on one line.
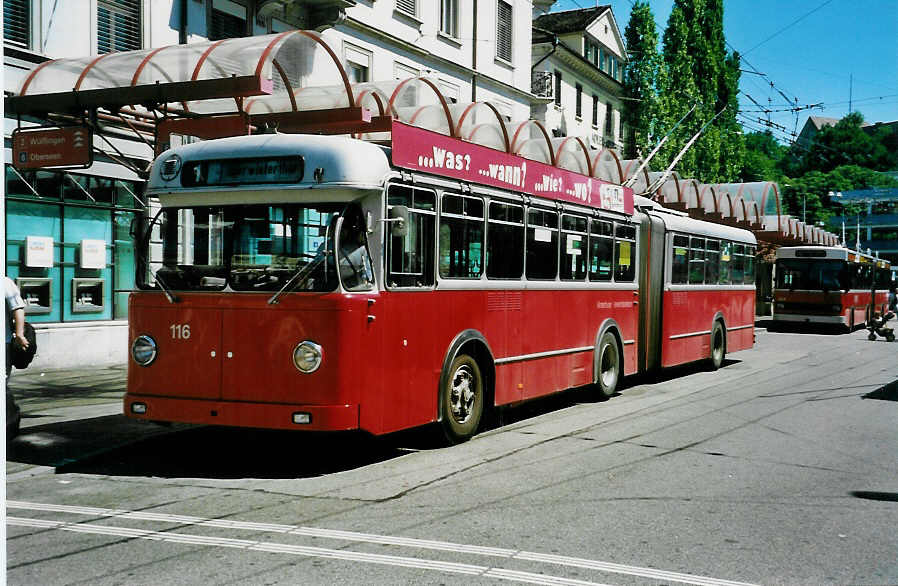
[(828, 285), (328, 283)]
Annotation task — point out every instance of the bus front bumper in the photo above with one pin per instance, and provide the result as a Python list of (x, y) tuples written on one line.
[(262, 415), (810, 319)]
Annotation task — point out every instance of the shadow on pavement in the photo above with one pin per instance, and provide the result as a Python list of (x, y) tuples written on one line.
[(887, 392), (117, 446), (801, 328)]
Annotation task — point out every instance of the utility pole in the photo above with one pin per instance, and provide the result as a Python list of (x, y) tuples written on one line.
[(850, 88)]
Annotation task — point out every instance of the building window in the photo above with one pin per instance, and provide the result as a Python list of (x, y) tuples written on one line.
[(503, 30), (609, 122), (449, 17), (358, 63), (228, 20), (591, 51), (595, 111), (409, 7), (450, 91), (557, 88), (118, 25), (579, 101), (17, 22)]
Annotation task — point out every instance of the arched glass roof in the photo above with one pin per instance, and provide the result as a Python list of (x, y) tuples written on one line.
[(629, 167), (265, 76), (572, 154), (606, 165)]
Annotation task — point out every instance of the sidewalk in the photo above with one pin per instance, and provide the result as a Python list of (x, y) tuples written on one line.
[(52, 396)]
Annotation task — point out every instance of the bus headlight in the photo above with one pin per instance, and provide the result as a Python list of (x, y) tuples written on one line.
[(307, 356), (144, 350)]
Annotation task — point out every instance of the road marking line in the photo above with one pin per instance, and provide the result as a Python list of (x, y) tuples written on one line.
[(283, 548), (557, 560)]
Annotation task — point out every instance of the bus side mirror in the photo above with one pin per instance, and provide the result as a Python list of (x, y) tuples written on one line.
[(399, 219)]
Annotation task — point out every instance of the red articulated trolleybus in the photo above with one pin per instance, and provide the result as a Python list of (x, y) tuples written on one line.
[(296, 281), (828, 285)]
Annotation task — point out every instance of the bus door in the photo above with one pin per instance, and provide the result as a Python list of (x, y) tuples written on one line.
[(651, 286), (411, 312)]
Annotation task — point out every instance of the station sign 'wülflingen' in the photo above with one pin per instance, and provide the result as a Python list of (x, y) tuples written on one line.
[(423, 150), (40, 148)]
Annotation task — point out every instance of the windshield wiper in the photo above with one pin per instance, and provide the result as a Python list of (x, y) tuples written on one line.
[(302, 275)]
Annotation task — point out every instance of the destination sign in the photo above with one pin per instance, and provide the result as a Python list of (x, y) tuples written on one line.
[(243, 171), (41, 148), (431, 152)]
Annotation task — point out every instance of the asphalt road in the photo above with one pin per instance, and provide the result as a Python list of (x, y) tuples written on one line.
[(780, 468)]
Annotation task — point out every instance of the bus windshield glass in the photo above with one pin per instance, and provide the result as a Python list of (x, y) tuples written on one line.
[(813, 275), (243, 247)]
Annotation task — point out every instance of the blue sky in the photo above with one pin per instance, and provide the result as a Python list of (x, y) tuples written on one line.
[(818, 51)]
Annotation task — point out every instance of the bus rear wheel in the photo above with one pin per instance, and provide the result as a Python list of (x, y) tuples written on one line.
[(461, 399), (608, 367), (718, 347)]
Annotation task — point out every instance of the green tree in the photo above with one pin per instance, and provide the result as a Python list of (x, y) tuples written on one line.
[(845, 144), (762, 154), (642, 108), (678, 92), (732, 151)]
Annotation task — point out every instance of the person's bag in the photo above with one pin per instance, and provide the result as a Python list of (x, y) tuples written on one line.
[(21, 358)]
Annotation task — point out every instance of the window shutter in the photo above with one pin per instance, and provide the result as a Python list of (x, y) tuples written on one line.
[(407, 6), (228, 21), (503, 30), (17, 22), (118, 25)]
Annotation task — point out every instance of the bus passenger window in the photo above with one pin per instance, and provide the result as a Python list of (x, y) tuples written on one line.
[(738, 263), (727, 264), (624, 253), (573, 250), (505, 241), (749, 265), (410, 257), (680, 268), (461, 237), (713, 259), (696, 261), (542, 244), (601, 250)]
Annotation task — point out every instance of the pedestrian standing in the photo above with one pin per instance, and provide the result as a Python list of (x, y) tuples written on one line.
[(15, 321)]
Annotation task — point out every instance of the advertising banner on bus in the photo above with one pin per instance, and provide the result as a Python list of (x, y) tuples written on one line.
[(422, 150)]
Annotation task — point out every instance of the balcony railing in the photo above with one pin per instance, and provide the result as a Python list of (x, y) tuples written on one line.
[(542, 84)]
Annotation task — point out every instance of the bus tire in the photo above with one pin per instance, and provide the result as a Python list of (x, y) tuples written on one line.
[(608, 366), (461, 400), (718, 346)]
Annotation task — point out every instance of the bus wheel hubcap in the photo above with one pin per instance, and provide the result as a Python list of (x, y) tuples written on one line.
[(609, 366), (461, 399)]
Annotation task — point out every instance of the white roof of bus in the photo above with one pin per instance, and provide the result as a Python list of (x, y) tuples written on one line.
[(687, 225), (344, 161)]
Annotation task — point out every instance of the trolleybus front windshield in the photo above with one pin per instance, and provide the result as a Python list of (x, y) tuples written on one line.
[(813, 275), (244, 247)]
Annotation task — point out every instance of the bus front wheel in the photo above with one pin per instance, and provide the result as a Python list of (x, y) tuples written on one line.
[(609, 367), (461, 400), (718, 346)]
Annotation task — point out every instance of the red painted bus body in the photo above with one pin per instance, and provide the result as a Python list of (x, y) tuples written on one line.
[(223, 334), (828, 286)]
